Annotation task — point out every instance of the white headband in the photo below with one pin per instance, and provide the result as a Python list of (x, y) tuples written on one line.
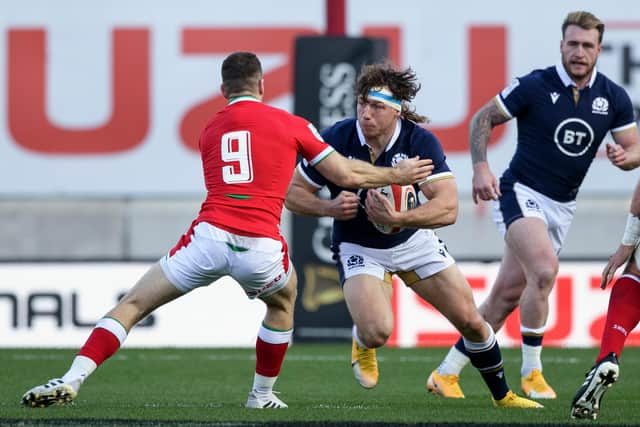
[(384, 95)]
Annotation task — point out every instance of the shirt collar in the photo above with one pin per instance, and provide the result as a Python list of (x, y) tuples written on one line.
[(394, 137), (566, 80), (242, 98)]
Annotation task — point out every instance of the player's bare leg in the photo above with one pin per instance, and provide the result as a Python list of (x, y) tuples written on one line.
[(272, 343), (369, 302), (449, 292), (505, 293), (529, 241), (151, 291), (503, 298)]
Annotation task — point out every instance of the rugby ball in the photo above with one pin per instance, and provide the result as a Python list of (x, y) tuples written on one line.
[(402, 198)]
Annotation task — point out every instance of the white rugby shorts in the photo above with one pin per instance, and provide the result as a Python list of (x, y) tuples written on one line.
[(421, 256), (522, 201), (260, 265)]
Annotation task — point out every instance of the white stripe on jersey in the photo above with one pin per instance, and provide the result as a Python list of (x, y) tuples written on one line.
[(307, 177), (437, 177), (503, 107), (321, 156), (624, 127)]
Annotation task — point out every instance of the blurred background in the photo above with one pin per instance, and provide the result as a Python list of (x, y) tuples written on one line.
[(101, 104)]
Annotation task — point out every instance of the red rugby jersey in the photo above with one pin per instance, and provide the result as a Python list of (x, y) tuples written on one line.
[(249, 151)]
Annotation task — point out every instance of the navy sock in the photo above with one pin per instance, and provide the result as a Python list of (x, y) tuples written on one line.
[(488, 361)]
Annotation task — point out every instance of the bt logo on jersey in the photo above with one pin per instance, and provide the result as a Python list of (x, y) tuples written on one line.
[(573, 137)]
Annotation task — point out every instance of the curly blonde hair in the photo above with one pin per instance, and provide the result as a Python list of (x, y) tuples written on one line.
[(403, 84)]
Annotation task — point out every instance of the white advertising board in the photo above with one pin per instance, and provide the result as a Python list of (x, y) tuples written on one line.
[(108, 99), (56, 305), (577, 310)]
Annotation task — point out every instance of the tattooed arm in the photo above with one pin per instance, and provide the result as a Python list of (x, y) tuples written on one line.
[(484, 184)]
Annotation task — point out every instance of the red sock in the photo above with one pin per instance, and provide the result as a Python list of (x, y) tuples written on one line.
[(623, 314), (269, 357), (100, 345)]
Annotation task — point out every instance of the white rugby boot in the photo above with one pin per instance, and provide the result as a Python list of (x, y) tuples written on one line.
[(54, 392), (586, 403), (264, 401)]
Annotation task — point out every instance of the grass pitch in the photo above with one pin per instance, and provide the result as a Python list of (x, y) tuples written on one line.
[(193, 387)]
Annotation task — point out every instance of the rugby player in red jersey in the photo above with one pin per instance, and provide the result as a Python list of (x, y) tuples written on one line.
[(623, 315), (249, 152)]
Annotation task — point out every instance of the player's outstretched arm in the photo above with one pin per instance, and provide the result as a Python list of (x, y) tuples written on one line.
[(302, 199), (352, 173)]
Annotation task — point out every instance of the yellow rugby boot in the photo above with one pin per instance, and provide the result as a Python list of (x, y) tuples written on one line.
[(535, 386), (445, 385), (365, 365), (512, 400)]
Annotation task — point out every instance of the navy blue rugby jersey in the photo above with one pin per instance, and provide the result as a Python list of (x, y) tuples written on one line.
[(557, 137), (409, 140)]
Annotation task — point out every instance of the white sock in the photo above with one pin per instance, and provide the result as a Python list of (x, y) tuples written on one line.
[(531, 354), (262, 384), (354, 332), (453, 362), (475, 346), (530, 359), (80, 369)]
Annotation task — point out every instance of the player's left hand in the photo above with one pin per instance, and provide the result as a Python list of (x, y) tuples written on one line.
[(412, 170), (379, 209), (620, 257), (616, 154)]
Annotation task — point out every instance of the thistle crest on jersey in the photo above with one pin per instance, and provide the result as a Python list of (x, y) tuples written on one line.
[(559, 129), (402, 198), (397, 158)]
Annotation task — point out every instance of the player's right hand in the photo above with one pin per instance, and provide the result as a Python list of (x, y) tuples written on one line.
[(413, 170), (484, 184), (620, 257), (616, 154), (344, 206), (379, 209)]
